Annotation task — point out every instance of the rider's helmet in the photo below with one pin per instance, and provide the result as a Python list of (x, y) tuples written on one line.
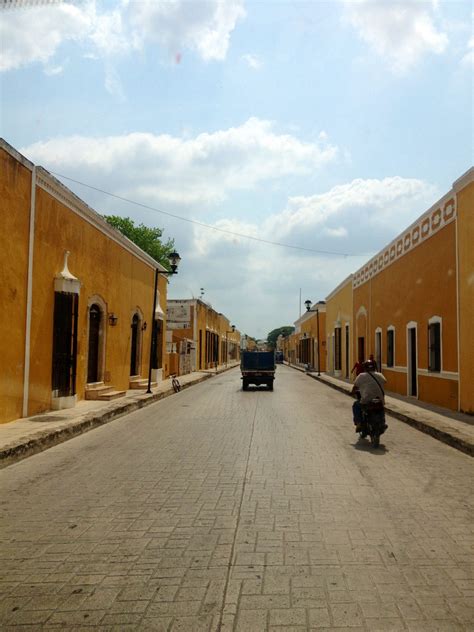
[(369, 365)]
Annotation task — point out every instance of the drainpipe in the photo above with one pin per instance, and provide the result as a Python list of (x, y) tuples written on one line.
[(29, 293)]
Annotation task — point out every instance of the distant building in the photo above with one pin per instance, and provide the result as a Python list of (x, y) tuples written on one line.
[(196, 330), (339, 319)]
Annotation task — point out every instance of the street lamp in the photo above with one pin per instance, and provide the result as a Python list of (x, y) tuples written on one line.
[(227, 343), (308, 309), (174, 260)]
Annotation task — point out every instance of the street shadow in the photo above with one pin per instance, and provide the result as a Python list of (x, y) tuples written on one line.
[(256, 389), (364, 445)]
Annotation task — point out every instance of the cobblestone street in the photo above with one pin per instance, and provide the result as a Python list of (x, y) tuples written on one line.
[(218, 509)]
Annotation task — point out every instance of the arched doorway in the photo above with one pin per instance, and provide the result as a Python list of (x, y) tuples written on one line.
[(95, 317), (135, 345)]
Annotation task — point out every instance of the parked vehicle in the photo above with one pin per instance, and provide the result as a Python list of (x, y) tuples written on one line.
[(279, 357), (373, 424), (257, 367)]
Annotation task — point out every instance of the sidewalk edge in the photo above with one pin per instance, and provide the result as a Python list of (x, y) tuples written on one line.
[(455, 442), (19, 451)]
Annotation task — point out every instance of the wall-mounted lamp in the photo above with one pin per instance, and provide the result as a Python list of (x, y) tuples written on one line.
[(113, 319), (144, 326)]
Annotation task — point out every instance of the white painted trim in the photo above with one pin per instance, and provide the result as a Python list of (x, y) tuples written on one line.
[(29, 295), (341, 285), (464, 180), (96, 299), (139, 313), (362, 311), (65, 196), (412, 325), (16, 154), (397, 369), (430, 223), (59, 403), (446, 375), (431, 321), (458, 335)]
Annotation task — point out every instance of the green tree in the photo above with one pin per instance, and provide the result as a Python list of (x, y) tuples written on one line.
[(146, 238), (273, 335)]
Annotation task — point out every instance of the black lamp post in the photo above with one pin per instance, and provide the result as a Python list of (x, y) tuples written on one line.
[(227, 343), (308, 309), (174, 260)]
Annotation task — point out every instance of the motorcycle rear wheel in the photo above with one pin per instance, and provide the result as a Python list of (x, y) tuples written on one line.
[(375, 440)]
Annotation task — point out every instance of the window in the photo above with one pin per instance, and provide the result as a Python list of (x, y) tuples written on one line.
[(390, 347), (434, 346)]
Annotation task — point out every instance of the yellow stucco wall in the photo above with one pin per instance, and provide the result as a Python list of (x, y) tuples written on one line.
[(106, 270), (15, 188), (417, 286), (339, 313), (117, 278), (465, 236)]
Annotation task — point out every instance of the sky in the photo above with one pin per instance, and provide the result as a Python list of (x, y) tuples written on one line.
[(327, 127)]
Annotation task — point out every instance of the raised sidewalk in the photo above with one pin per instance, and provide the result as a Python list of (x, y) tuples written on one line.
[(455, 429), (27, 436)]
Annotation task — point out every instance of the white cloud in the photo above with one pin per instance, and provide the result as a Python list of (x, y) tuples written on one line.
[(401, 32), (200, 170), (35, 34), (367, 210), (203, 26), (253, 61)]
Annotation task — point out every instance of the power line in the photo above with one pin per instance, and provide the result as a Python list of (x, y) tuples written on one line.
[(202, 225)]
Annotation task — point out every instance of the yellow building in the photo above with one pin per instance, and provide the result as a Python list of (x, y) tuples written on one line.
[(77, 298), (339, 329), (308, 344), (413, 304), (209, 334)]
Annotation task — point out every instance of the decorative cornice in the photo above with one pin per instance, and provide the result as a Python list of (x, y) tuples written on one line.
[(462, 182), (431, 222), (60, 192)]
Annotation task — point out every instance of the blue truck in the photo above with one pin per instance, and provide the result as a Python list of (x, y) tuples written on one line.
[(257, 367)]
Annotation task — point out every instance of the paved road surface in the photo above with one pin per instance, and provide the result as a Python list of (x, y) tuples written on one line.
[(217, 509)]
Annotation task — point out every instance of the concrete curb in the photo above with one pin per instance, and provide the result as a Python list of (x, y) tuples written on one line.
[(446, 436), (48, 438)]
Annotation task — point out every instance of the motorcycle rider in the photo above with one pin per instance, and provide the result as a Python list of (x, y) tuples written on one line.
[(369, 385)]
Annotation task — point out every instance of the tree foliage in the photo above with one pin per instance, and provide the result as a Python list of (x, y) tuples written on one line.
[(273, 335), (146, 238)]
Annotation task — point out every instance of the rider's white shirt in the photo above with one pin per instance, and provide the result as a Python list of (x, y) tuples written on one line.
[(368, 387)]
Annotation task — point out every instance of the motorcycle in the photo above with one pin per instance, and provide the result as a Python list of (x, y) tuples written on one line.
[(373, 421)]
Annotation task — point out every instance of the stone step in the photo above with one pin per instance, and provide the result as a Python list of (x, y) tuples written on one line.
[(140, 383), (97, 390), (106, 397)]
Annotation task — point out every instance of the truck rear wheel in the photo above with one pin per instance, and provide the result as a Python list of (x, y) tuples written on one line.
[(245, 385), (270, 386)]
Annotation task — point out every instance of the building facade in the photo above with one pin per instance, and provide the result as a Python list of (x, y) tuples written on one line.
[(208, 334), (77, 298), (413, 304), (307, 345), (339, 312)]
